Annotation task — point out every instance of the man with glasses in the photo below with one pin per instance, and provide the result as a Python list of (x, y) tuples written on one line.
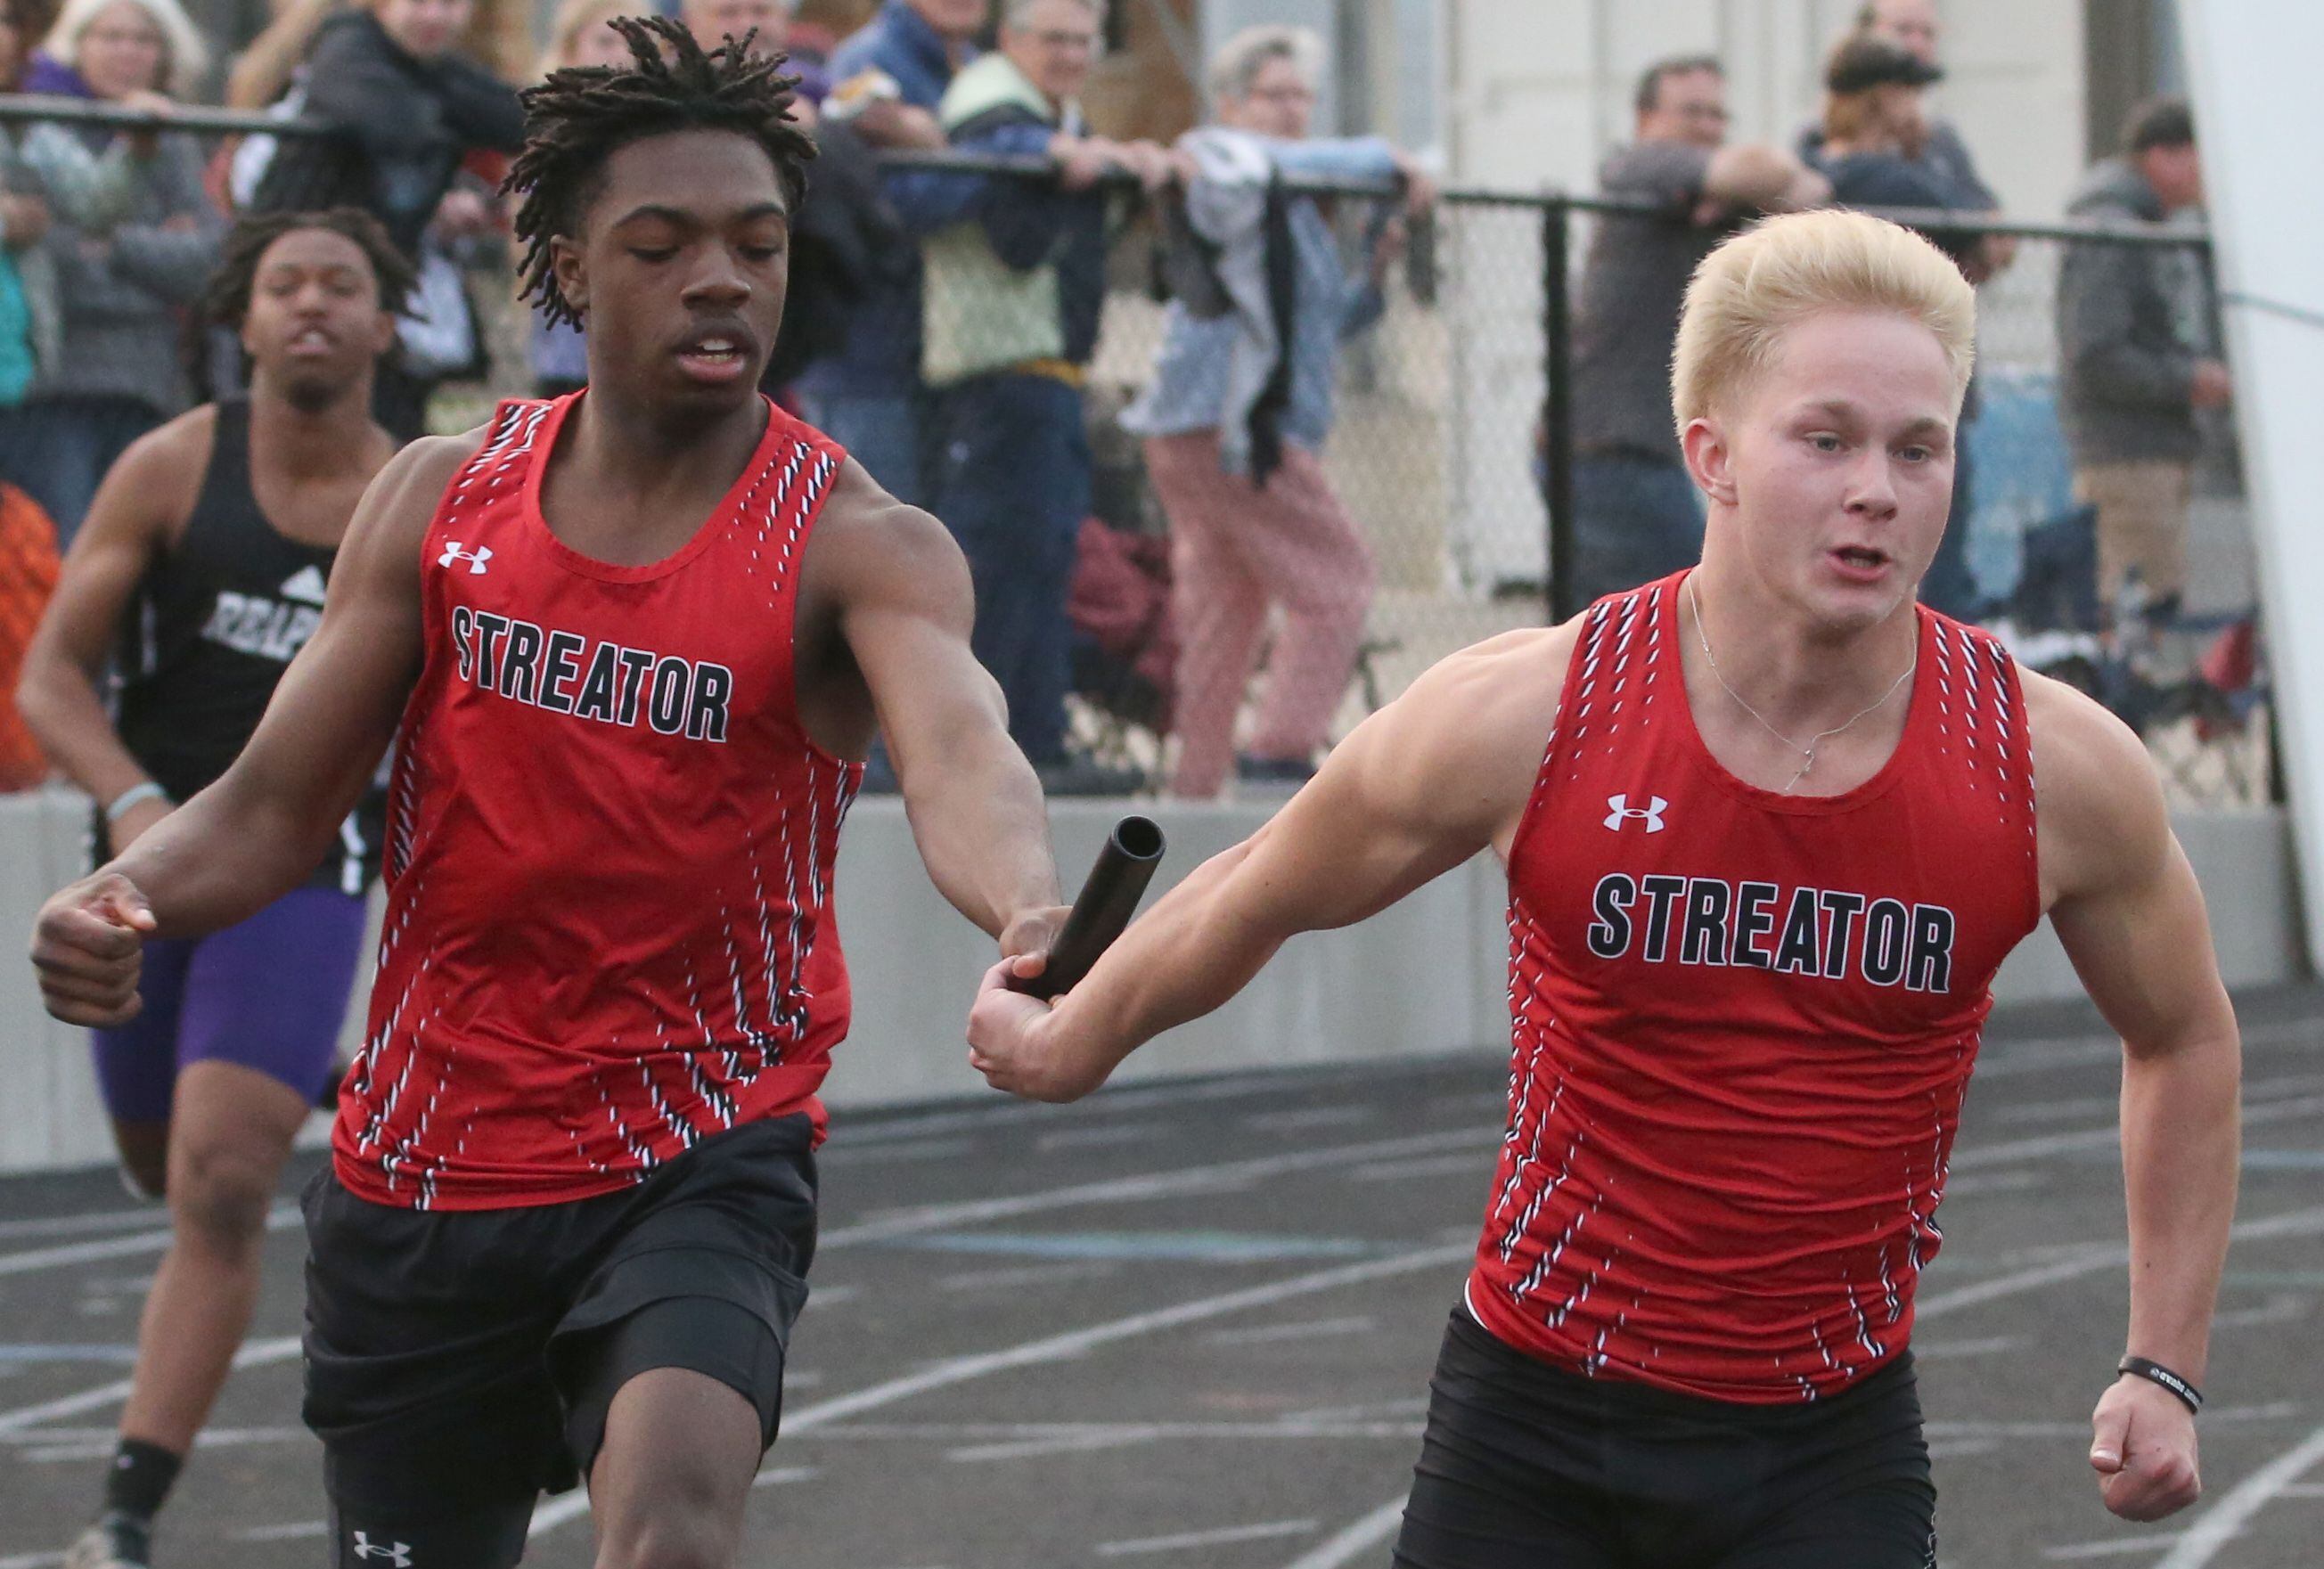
[(1637, 514)]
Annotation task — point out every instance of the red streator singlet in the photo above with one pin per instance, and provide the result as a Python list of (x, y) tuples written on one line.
[(1743, 1023), (609, 929)]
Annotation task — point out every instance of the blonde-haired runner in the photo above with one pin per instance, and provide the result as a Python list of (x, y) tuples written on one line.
[(1770, 829)]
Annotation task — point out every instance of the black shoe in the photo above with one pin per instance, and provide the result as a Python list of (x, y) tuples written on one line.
[(1079, 775), (1292, 772), (116, 1541)]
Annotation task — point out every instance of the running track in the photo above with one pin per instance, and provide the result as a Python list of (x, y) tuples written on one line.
[(1189, 1327)]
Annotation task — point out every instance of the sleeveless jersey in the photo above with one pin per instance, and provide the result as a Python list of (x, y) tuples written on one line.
[(216, 621), (609, 929), (1743, 1022)]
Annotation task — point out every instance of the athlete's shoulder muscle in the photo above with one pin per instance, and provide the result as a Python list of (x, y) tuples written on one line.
[(2098, 809), (867, 542), (383, 537), (1461, 746)]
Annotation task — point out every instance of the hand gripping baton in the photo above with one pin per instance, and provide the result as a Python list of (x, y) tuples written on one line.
[(1108, 899)]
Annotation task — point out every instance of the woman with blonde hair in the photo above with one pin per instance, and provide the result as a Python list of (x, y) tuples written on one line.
[(121, 287)]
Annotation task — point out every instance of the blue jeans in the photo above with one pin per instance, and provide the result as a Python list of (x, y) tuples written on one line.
[(886, 433), (1013, 485), (58, 450), (1636, 519)]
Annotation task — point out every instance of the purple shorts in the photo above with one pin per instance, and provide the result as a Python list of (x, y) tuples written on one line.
[(269, 994)]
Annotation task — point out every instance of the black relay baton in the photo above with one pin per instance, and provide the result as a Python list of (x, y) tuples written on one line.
[(1108, 899)]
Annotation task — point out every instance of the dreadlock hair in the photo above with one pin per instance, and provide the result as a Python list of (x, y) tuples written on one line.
[(226, 302), (579, 116)]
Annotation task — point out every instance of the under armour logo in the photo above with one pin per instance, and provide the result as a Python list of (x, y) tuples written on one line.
[(475, 558), (1623, 812), (401, 1554)]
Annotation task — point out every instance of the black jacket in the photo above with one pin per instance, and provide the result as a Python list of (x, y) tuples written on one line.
[(2131, 322), (407, 123)]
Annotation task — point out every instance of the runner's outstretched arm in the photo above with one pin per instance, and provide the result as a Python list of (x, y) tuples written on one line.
[(253, 835), (2125, 904), (1422, 786), (129, 524), (975, 803)]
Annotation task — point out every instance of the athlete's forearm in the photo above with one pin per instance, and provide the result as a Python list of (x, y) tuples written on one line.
[(61, 708), (2181, 1149), (982, 830), (1190, 954), (225, 855)]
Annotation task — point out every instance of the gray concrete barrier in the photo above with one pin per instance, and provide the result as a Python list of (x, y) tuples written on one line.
[(1426, 977)]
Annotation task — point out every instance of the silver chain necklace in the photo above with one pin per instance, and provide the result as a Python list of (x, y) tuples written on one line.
[(1808, 752)]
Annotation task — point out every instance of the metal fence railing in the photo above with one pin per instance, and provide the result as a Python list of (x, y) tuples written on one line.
[(1452, 450)]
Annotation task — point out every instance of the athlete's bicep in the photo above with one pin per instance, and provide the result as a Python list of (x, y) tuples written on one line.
[(127, 526), (2124, 901), (906, 605), (1433, 778), (336, 708)]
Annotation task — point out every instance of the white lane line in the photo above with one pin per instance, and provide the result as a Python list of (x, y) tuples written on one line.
[(1261, 1532), (2296, 1223), (2113, 1547), (1027, 1275), (295, 1531), (1293, 1121), (963, 1370), (108, 1220), (2012, 1058), (2225, 1521), (1362, 1324), (31, 1561), (253, 1353), (1175, 1182), (1103, 1137), (1353, 1539), (2286, 1308), (282, 1217), (776, 1476), (1462, 1164), (2019, 1149), (1992, 1345)]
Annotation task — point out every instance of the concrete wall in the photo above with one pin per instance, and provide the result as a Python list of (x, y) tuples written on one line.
[(1426, 977)]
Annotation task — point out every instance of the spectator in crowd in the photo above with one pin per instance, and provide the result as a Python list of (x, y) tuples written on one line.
[(1876, 126), (1637, 514), (262, 73), (2138, 358), (409, 108), (1238, 409), (46, 166), (1914, 27), (578, 36), (120, 287), (1013, 292), (887, 80), (712, 20)]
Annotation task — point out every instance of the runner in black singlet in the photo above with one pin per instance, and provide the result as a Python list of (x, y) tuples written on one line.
[(203, 563)]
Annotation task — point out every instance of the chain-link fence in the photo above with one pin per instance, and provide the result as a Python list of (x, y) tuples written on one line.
[(1452, 450), (1450, 445)]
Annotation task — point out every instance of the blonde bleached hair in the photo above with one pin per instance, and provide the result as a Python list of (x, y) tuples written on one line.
[(1787, 268), (184, 56)]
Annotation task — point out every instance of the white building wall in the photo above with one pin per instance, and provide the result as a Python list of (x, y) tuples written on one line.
[(1536, 92)]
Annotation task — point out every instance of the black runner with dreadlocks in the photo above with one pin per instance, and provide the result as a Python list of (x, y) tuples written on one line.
[(580, 116)]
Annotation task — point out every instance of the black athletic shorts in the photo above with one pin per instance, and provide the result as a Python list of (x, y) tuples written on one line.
[(1528, 1466), (465, 1359)]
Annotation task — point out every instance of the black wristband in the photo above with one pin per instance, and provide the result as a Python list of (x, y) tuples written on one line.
[(2155, 1372)]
